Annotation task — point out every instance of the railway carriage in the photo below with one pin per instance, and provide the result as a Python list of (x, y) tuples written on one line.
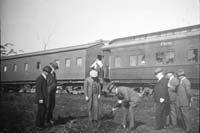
[(132, 60), (73, 64)]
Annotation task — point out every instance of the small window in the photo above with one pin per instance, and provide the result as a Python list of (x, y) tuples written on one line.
[(25, 67), (79, 61), (117, 62), (58, 62), (14, 67), (165, 57), (67, 62), (5, 68), (141, 60), (38, 65), (169, 57), (133, 60), (193, 55)]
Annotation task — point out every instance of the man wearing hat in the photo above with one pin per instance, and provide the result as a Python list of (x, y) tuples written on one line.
[(41, 96), (161, 97), (172, 89), (51, 85), (184, 98), (92, 91)]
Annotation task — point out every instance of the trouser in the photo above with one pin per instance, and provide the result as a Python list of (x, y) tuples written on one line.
[(162, 110), (172, 117), (40, 116), (184, 110), (128, 111), (50, 107)]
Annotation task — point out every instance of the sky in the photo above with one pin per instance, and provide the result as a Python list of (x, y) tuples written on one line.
[(29, 24)]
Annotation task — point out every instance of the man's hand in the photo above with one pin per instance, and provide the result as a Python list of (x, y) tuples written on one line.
[(86, 98), (99, 96), (41, 101), (113, 109), (119, 101), (162, 100)]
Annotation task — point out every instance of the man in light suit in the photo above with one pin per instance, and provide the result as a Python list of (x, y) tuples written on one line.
[(172, 89), (161, 97), (41, 97), (92, 89), (128, 99), (184, 98)]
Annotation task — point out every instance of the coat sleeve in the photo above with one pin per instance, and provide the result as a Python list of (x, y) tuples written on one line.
[(39, 93), (187, 86), (86, 88)]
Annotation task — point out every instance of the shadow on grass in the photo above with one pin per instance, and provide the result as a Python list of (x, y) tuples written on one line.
[(64, 120)]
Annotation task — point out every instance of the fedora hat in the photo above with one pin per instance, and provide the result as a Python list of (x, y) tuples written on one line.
[(158, 70), (54, 64), (180, 72)]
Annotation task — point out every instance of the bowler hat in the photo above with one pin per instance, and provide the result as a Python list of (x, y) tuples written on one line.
[(180, 72), (93, 73), (47, 69), (54, 65), (158, 70)]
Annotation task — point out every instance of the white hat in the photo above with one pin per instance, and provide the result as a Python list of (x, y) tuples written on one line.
[(93, 73)]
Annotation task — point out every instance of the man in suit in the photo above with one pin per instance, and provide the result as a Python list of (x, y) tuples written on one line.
[(128, 100), (161, 97), (184, 98), (172, 89), (51, 85), (41, 97), (92, 89)]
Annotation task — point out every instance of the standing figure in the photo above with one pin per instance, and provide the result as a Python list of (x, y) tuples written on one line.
[(98, 66), (161, 97), (127, 99), (172, 89), (41, 97), (92, 91), (51, 85), (184, 98)]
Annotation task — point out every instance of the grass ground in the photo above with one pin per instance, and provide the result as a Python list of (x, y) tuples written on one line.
[(18, 110)]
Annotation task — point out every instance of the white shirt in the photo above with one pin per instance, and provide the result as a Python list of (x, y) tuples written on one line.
[(45, 77), (97, 62)]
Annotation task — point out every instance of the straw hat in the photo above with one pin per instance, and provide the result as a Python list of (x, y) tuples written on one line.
[(93, 73)]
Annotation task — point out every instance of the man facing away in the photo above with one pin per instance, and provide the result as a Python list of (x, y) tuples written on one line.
[(41, 97), (184, 98), (51, 85), (161, 97), (172, 90)]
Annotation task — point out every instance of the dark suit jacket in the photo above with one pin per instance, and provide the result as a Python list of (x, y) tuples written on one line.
[(41, 89), (161, 90)]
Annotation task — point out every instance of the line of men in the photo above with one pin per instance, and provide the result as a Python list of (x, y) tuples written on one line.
[(173, 98)]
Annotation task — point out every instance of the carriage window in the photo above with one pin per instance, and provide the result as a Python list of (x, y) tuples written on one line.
[(38, 65), (14, 67), (117, 62), (25, 67), (169, 57), (58, 62), (141, 59), (193, 55), (165, 57), (132, 60), (79, 61), (67, 62), (5, 68)]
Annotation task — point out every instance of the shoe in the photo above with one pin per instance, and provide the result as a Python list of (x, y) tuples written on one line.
[(39, 127)]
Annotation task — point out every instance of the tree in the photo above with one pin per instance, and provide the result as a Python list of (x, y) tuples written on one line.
[(7, 49)]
